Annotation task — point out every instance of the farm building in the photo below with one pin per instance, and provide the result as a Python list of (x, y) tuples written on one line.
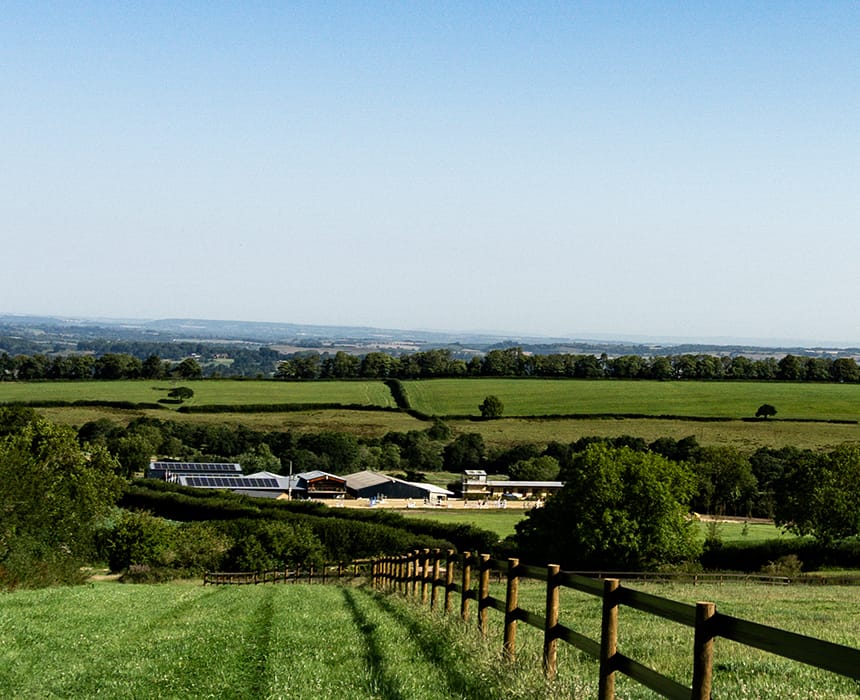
[(373, 485), (476, 486), (161, 470), (313, 484)]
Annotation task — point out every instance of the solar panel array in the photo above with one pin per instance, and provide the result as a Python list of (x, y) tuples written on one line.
[(235, 482), (198, 467)]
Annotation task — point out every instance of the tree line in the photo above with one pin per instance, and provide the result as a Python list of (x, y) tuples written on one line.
[(425, 364)]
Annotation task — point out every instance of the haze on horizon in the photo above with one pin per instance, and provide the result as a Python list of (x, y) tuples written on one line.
[(571, 170)]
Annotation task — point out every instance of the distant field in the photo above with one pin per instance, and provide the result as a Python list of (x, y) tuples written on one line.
[(503, 522), (744, 435), (206, 392), (496, 520), (538, 397), (521, 397)]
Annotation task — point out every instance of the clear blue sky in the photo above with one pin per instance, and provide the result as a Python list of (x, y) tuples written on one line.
[(576, 169)]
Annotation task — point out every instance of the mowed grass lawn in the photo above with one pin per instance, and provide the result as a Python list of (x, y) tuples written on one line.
[(544, 397), (314, 641), (186, 641), (206, 392)]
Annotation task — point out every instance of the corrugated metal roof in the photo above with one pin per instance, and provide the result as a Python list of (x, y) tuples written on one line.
[(366, 479)]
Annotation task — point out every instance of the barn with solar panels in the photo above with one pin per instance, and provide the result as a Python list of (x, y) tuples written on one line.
[(163, 470)]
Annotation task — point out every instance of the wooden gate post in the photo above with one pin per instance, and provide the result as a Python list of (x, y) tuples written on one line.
[(703, 651), (434, 585), (449, 582), (511, 605), (550, 640), (608, 640), (466, 586), (484, 593)]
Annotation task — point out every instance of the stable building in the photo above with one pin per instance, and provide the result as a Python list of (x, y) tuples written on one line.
[(476, 486), (375, 486)]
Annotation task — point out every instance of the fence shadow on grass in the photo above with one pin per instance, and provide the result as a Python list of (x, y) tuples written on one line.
[(388, 687)]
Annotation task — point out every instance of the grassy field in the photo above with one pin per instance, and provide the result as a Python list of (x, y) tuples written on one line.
[(537, 397), (369, 393), (299, 641), (503, 522), (746, 436), (183, 641)]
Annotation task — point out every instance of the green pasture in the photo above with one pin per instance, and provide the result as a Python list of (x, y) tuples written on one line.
[(500, 521), (546, 397), (747, 436), (287, 641), (206, 392), (313, 641), (520, 396), (503, 523)]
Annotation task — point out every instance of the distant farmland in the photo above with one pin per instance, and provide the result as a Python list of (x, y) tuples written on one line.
[(535, 410), (206, 392), (548, 397)]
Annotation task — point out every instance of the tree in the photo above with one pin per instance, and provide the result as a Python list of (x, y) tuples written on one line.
[(544, 468), (819, 495), (491, 407), (618, 509), (189, 368), (765, 411), (181, 393), (466, 451), (52, 494)]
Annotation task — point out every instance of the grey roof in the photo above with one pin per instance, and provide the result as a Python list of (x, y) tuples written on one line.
[(361, 480), (317, 474), (365, 479)]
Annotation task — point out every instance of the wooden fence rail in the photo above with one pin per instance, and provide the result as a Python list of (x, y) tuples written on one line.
[(421, 574), (327, 573)]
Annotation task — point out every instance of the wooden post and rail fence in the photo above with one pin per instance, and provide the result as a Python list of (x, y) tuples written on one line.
[(334, 573), (429, 576)]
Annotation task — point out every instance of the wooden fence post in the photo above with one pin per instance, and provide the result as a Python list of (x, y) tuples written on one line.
[(425, 574), (550, 640), (703, 651), (511, 605), (466, 586), (608, 640), (416, 577), (484, 593), (449, 582), (434, 584)]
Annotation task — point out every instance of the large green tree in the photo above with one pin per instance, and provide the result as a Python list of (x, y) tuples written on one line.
[(618, 509), (819, 494), (52, 493)]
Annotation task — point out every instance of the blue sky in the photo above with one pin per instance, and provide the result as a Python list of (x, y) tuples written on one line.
[(575, 169)]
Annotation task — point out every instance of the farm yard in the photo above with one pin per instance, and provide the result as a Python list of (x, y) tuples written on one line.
[(315, 641)]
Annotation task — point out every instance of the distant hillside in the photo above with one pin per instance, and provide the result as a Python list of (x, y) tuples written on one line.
[(27, 334)]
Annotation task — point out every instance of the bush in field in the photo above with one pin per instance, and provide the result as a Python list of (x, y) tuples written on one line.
[(491, 407), (139, 538), (618, 509)]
